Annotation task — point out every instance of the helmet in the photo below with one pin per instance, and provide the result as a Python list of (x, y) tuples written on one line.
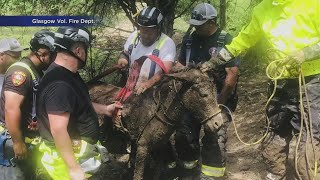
[(42, 38), (65, 37), (150, 17)]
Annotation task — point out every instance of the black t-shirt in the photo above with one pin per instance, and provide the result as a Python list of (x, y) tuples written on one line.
[(64, 91), (200, 47), (19, 80)]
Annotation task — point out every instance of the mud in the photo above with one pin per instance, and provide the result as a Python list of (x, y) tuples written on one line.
[(152, 116)]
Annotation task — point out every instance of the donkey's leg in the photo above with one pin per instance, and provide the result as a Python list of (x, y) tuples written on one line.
[(153, 133)]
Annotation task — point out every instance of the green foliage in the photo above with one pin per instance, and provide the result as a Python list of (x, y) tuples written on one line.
[(238, 15)]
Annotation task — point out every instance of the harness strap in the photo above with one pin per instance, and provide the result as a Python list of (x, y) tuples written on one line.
[(221, 38), (156, 61), (188, 48), (132, 45), (220, 43), (35, 83), (155, 52), (3, 138)]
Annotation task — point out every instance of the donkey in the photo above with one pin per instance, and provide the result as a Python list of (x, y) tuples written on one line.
[(151, 118)]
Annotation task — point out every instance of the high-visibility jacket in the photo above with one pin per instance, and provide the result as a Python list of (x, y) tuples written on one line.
[(288, 26)]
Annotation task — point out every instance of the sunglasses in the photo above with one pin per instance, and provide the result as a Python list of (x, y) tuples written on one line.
[(199, 17)]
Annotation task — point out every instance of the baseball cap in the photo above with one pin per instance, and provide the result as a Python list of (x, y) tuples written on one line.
[(202, 13), (10, 44)]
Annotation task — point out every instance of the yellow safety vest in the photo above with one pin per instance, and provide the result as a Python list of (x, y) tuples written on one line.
[(288, 26)]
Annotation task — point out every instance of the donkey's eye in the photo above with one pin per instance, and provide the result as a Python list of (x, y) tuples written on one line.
[(203, 94)]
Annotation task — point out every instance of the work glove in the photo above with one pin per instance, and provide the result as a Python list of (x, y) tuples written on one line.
[(224, 56), (296, 57)]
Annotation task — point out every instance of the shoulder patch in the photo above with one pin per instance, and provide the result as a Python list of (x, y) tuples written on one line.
[(18, 78)]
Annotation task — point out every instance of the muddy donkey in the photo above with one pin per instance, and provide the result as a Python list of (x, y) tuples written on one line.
[(150, 118)]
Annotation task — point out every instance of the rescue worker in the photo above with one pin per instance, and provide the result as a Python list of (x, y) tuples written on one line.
[(197, 47), (148, 40), (17, 107), (291, 28), (145, 72), (10, 52), (68, 121)]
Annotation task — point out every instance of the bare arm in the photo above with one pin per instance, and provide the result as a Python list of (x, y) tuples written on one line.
[(62, 140), (229, 84), (13, 102), (123, 61), (105, 109), (140, 88)]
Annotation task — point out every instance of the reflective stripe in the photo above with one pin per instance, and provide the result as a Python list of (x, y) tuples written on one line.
[(33, 141), (135, 37), (172, 165), (189, 164), (1, 129), (156, 53), (22, 64), (161, 42), (87, 156), (213, 171)]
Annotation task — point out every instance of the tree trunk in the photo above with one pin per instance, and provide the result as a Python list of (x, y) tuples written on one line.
[(167, 8), (223, 8)]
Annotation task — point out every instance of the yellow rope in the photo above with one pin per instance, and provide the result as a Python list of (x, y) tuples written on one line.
[(275, 71), (236, 131), (275, 78), (311, 125), (301, 127)]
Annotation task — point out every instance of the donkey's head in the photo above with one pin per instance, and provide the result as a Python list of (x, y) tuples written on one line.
[(198, 94)]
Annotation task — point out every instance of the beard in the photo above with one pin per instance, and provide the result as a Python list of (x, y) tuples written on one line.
[(82, 63)]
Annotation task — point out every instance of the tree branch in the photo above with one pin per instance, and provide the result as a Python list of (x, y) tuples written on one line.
[(186, 9), (125, 9)]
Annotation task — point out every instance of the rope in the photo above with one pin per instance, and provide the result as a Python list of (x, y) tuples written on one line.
[(236, 131), (271, 71), (275, 78), (275, 71)]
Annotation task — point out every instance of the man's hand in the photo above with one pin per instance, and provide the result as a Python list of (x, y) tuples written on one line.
[(20, 150), (112, 107), (77, 174), (123, 63), (141, 88)]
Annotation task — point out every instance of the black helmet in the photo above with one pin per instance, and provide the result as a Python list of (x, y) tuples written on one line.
[(150, 17), (65, 37), (42, 38)]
